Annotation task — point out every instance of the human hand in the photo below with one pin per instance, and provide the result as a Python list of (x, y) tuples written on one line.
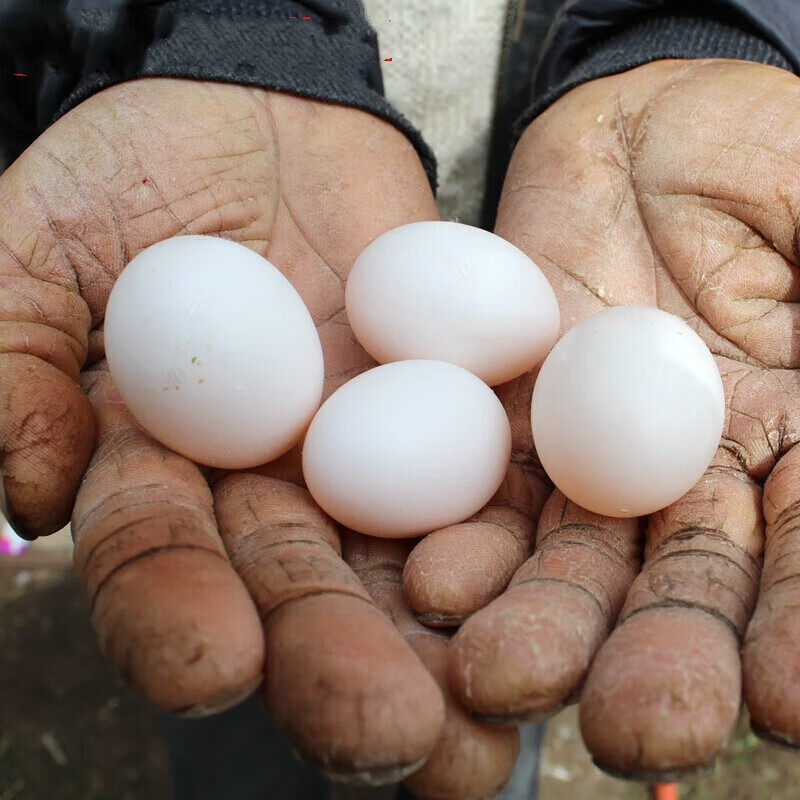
[(202, 582), (673, 185)]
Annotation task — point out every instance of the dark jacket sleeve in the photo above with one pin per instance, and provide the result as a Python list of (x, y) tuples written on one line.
[(56, 53), (595, 38)]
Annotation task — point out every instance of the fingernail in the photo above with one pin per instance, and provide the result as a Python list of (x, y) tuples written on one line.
[(377, 777), (3, 501), (508, 720), (8, 513), (773, 737), (220, 703), (657, 776), (433, 620)]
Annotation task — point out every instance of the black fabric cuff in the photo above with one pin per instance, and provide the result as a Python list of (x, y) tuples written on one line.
[(322, 49), (653, 40)]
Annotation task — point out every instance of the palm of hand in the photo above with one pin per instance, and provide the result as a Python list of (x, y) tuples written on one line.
[(704, 230), (190, 571), (672, 186)]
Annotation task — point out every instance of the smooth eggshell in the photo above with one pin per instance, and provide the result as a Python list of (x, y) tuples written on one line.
[(407, 448), (452, 292), (627, 411), (213, 351)]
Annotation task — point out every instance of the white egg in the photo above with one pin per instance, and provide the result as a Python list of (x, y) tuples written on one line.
[(452, 292), (407, 448), (627, 411), (213, 351)]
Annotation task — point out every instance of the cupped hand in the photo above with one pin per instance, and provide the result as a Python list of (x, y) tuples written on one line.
[(204, 583), (674, 185)]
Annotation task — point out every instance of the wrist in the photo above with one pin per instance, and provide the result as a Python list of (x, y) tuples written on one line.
[(658, 38)]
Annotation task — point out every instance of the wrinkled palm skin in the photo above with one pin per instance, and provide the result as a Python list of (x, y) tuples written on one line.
[(675, 185), (203, 584)]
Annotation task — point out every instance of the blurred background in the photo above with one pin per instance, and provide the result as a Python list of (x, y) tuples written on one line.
[(70, 730)]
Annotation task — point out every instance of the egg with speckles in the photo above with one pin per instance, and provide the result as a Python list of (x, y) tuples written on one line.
[(213, 351)]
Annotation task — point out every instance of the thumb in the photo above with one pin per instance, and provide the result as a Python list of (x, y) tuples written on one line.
[(46, 423)]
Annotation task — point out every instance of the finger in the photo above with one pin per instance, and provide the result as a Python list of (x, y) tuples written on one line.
[(456, 571), (170, 611), (525, 655), (663, 694), (469, 760), (340, 681), (771, 653), (46, 423)]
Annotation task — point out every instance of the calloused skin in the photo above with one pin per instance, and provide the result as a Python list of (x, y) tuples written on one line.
[(205, 584), (674, 185)]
